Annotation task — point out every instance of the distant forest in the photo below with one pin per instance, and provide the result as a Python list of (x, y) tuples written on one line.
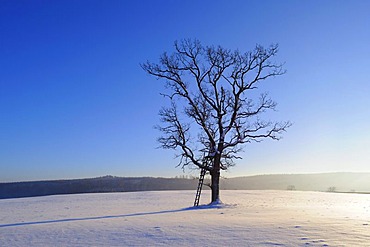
[(332, 182)]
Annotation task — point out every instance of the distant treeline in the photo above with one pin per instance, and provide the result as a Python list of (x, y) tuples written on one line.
[(93, 185), (332, 182)]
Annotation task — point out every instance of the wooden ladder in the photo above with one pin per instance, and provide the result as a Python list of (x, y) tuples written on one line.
[(200, 185)]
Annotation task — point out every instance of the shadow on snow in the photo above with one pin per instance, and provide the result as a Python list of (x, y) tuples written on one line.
[(210, 206)]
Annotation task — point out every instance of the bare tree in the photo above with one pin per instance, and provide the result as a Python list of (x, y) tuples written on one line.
[(213, 106)]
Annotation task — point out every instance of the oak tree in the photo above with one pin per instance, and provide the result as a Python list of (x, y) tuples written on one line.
[(213, 106)]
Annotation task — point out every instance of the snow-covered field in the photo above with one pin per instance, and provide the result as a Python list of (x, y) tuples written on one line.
[(249, 218)]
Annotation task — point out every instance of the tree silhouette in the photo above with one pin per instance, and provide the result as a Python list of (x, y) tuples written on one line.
[(213, 106)]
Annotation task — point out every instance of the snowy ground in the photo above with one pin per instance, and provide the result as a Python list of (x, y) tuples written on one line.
[(250, 218)]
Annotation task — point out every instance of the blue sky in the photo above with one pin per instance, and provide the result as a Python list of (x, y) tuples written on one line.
[(75, 103)]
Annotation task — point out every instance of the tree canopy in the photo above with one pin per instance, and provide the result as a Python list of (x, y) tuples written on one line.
[(213, 106)]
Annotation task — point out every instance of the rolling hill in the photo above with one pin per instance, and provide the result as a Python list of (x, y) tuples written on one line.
[(334, 182)]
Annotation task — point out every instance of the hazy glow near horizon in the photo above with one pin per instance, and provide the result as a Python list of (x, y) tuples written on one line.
[(74, 101)]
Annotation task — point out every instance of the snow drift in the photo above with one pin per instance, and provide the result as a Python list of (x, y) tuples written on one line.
[(246, 218)]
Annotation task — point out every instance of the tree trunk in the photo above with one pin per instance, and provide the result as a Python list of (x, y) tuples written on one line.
[(215, 176), (215, 185)]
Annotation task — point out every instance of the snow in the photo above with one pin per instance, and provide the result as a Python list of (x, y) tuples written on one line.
[(246, 218)]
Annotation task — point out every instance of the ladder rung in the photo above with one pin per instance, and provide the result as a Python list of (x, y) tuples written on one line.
[(200, 185)]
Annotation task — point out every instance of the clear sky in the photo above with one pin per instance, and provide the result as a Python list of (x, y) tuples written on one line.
[(75, 103)]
